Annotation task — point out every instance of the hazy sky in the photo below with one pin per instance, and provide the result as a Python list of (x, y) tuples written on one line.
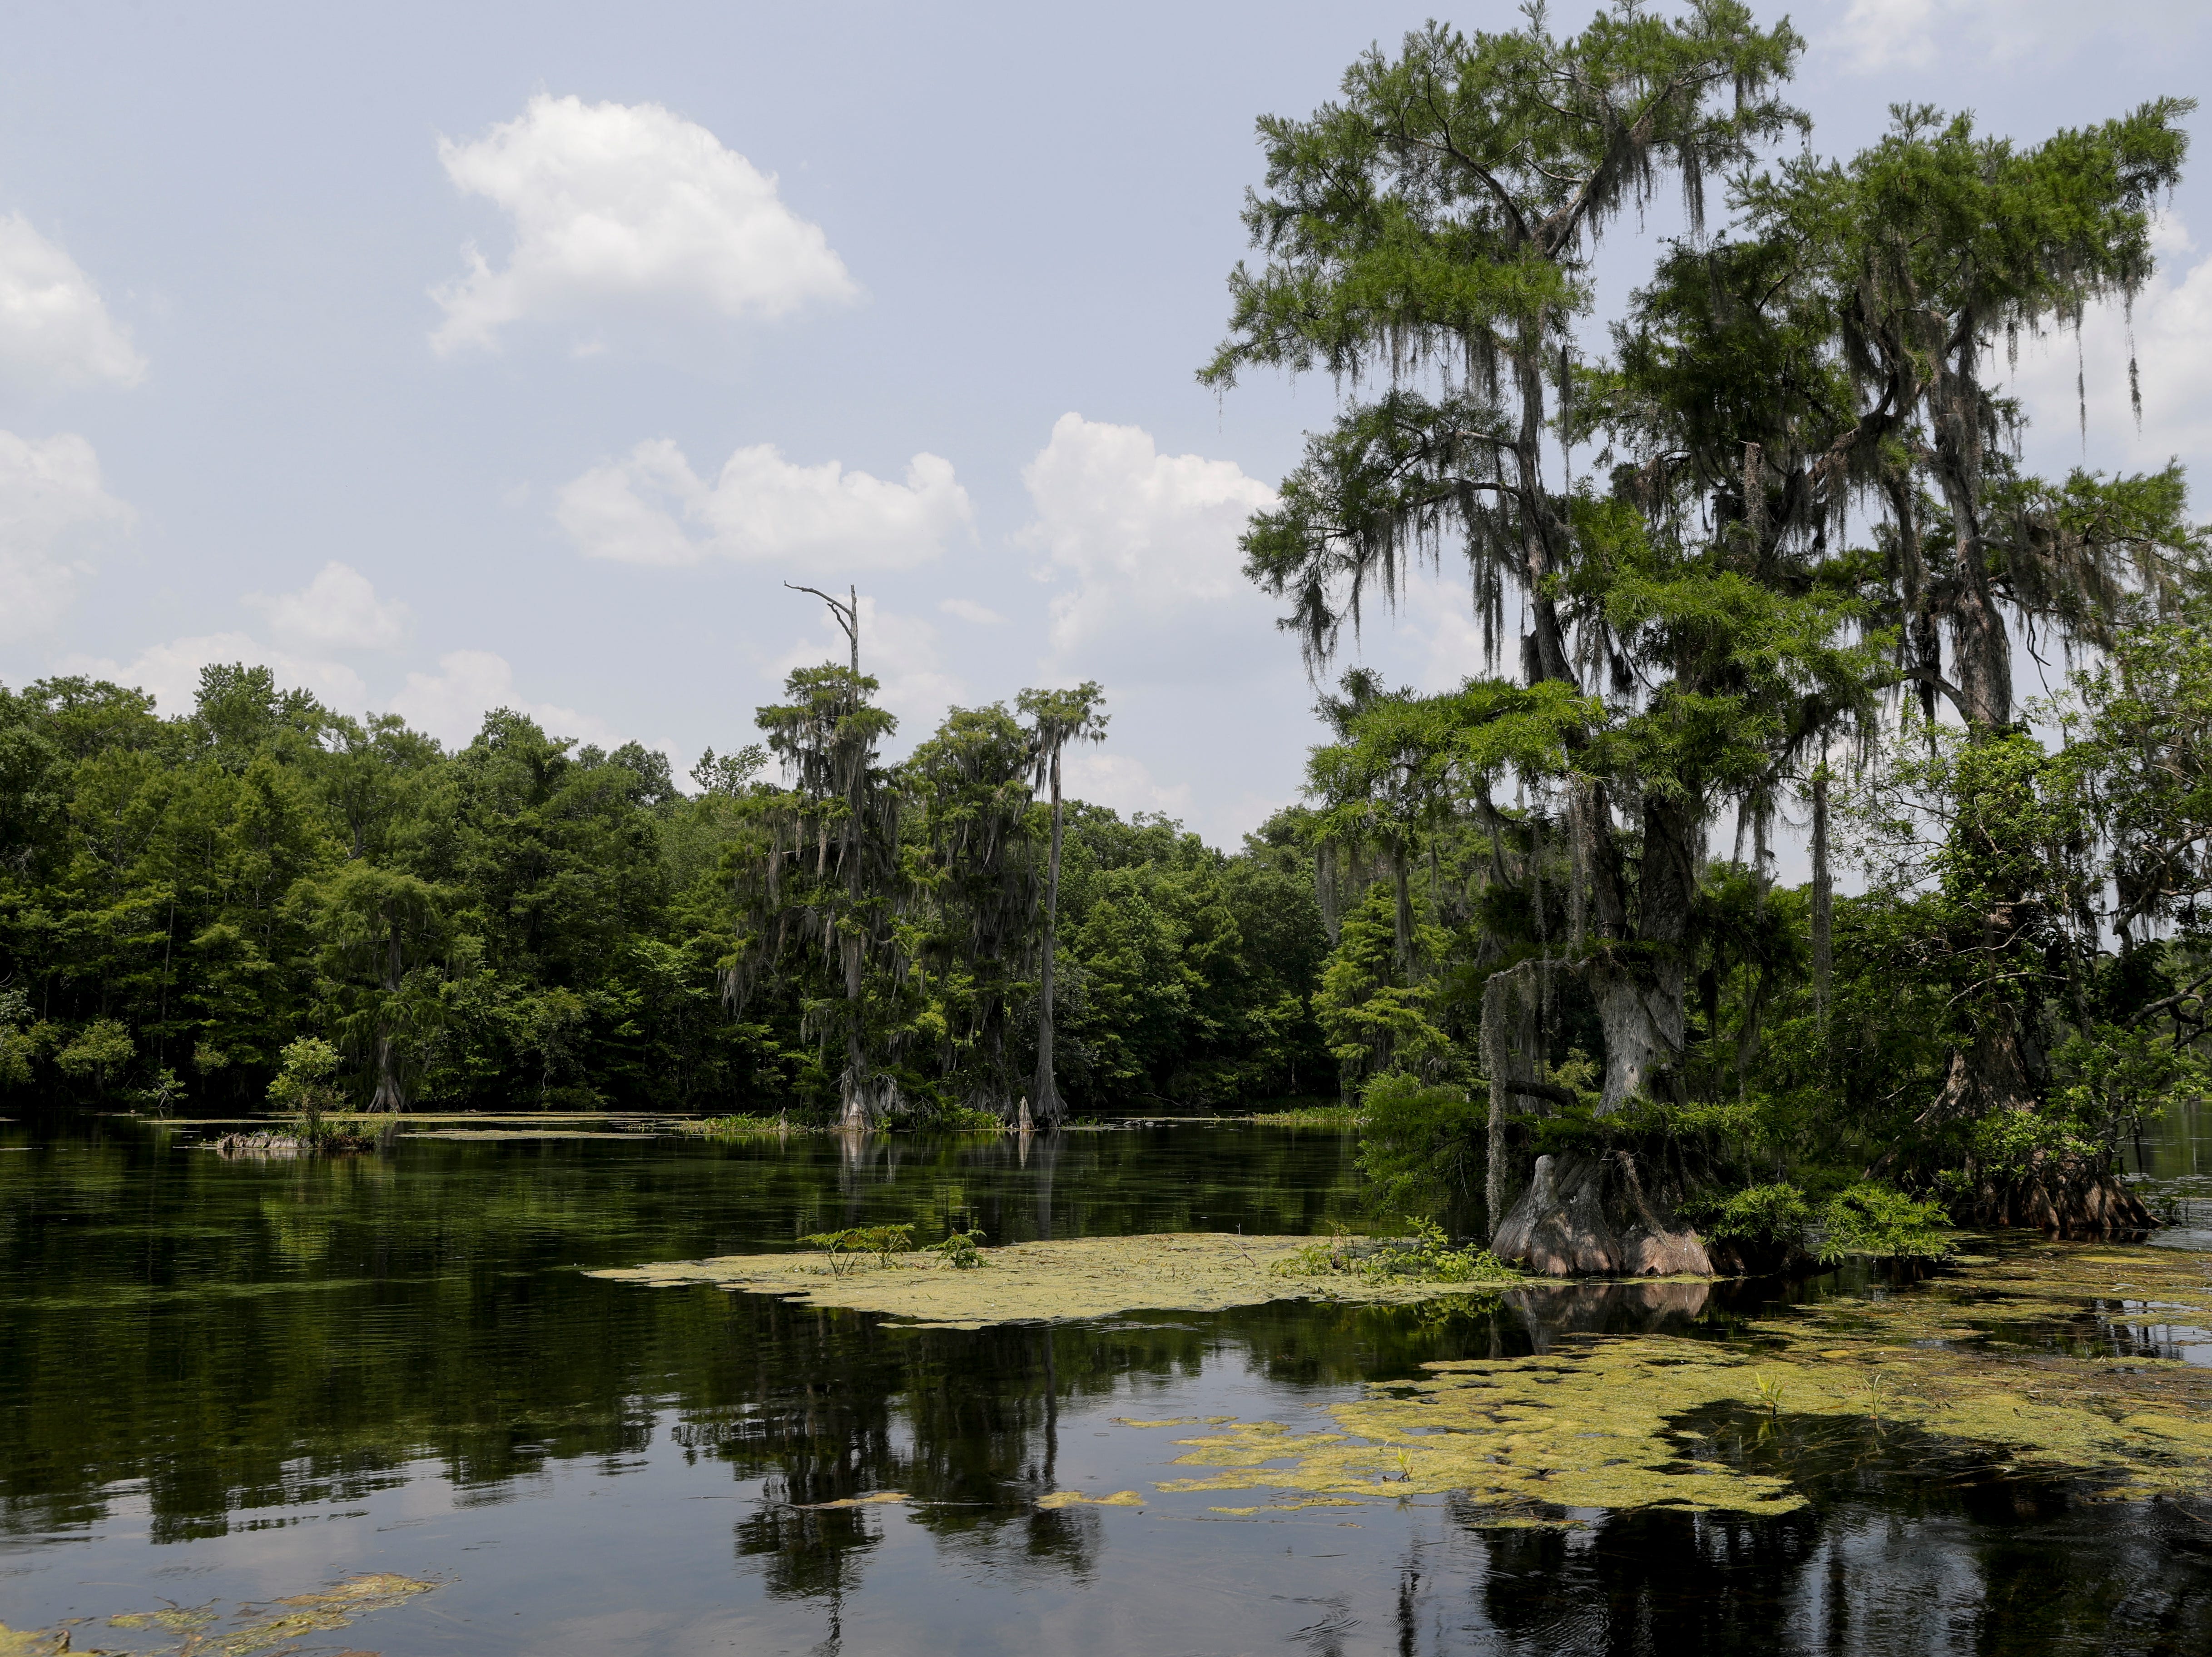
[(450, 356)]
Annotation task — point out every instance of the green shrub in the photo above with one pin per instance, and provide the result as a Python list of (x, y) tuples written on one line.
[(1883, 1223), (1759, 1215), (1421, 1144), (1425, 1255)]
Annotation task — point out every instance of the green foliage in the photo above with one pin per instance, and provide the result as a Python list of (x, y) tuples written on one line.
[(961, 1250), (527, 921), (1425, 1254), (1421, 1145), (741, 1126), (1341, 1118), (1883, 1223), (845, 1247), (1770, 1215), (97, 1053), (23, 1040)]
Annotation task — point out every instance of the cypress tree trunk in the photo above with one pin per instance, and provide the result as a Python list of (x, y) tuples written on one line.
[(1046, 1107), (1823, 900), (389, 1094)]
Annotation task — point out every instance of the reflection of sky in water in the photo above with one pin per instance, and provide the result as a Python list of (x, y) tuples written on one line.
[(238, 1381), (2170, 1166)]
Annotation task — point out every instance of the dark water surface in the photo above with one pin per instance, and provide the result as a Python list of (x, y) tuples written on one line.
[(234, 1381)]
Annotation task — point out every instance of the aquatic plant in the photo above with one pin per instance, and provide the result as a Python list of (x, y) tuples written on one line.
[(1343, 1117), (739, 1125), (845, 1247), (963, 1251), (1426, 1255), (1768, 1388)]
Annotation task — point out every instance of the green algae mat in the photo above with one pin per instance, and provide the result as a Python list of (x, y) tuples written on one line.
[(2014, 1362), (1050, 1283), (2000, 1367), (273, 1629)]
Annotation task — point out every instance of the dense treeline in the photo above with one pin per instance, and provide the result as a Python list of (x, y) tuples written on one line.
[(1755, 538), (527, 923)]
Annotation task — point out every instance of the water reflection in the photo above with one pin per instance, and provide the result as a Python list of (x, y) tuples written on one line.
[(260, 1374)]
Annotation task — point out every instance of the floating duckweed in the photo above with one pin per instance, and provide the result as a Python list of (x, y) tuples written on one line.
[(1048, 1283), (1973, 1357), (1293, 1507), (33, 1643), (252, 1630), (1076, 1499)]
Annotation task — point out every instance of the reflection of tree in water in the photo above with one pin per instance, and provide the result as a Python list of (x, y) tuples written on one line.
[(1909, 1545), (964, 1423)]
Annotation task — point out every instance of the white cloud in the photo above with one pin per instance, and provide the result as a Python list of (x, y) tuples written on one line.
[(1149, 541), (651, 507), (1916, 34), (337, 610), (53, 508), (54, 327), (450, 704), (1122, 783), (900, 651), (969, 610), (171, 671), (2172, 341), (627, 203)]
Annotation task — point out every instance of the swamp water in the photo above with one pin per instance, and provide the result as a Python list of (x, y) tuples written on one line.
[(375, 1403)]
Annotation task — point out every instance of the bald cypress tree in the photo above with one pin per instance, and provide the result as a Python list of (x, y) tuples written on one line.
[(1430, 236)]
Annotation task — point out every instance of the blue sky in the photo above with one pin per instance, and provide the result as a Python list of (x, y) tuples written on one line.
[(452, 357)]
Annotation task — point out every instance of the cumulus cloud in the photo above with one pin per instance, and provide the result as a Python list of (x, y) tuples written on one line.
[(53, 509), (2172, 337), (969, 610), (1880, 34), (629, 204), (337, 610), (1148, 544), (450, 704), (1122, 783), (650, 508), (171, 673), (54, 327)]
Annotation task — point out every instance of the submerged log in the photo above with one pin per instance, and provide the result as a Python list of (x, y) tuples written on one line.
[(1592, 1216)]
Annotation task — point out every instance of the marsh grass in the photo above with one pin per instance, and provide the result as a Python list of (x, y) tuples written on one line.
[(1342, 1118)]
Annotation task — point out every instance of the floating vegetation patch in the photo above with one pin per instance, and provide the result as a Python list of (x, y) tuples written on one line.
[(874, 1499), (1048, 1282), (1426, 1256), (268, 1629), (2010, 1365), (1294, 1506), (1342, 1118), (1076, 1499), (741, 1126)]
